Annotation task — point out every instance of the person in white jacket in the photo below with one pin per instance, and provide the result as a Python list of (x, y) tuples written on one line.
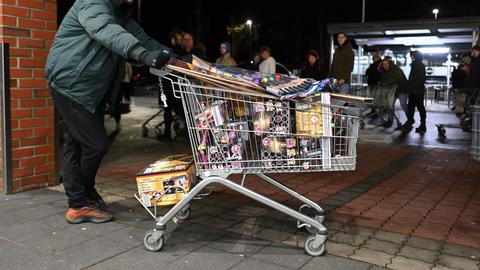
[(268, 65)]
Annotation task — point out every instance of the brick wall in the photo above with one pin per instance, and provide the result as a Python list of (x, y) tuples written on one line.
[(29, 27)]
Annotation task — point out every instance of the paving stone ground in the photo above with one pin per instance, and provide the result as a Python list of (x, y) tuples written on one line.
[(405, 207)]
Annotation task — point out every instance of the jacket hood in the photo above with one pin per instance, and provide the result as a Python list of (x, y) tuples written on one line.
[(382, 70)]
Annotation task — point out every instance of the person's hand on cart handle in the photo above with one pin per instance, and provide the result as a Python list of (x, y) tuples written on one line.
[(156, 59)]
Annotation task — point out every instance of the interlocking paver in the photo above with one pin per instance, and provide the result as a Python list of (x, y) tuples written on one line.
[(372, 256), (457, 262), (419, 254), (390, 236), (334, 262), (384, 246), (340, 249), (402, 263), (352, 239), (424, 243), (461, 251)]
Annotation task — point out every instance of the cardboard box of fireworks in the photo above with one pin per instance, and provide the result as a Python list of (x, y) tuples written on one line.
[(166, 181)]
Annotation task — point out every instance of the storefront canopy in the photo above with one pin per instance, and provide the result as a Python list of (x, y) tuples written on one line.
[(458, 34)]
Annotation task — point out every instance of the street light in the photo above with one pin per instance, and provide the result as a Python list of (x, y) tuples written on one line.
[(435, 12), (249, 23)]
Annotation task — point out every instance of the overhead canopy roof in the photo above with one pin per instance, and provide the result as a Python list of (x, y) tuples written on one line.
[(456, 33)]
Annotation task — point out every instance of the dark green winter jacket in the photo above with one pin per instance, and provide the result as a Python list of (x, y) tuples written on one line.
[(342, 63), (86, 59)]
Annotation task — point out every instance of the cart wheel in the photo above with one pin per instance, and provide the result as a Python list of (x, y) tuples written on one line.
[(183, 214), (310, 249), (144, 132), (158, 132), (152, 242)]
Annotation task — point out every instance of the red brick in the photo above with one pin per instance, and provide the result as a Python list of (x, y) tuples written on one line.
[(46, 15), (33, 122), (40, 53), (39, 73), (31, 23), (21, 93), (21, 153), (32, 103), (14, 124), (32, 161), (44, 131), (20, 73), (34, 181), (51, 26), (38, 4), (48, 168), (16, 32), (52, 6), (13, 62), (22, 133), (7, 20), (32, 63), (15, 11), (21, 113), (31, 43), (12, 41), (44, 150), (23, 172), (38, 112), (34, 141), (32, 83)]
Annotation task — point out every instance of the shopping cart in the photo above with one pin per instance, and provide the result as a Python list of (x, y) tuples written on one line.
[(383, 105), (246, 132)]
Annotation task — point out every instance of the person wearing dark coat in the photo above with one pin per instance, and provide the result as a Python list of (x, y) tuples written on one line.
[(312, 67), (342, 63), (473, 77), (373, 75), (84, 69), (415, 86)]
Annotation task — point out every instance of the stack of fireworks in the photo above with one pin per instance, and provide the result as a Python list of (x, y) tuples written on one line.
[(271, 124), (222, 143)]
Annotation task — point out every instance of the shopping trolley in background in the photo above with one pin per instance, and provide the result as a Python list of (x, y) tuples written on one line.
[(246, 132), (383, 104)]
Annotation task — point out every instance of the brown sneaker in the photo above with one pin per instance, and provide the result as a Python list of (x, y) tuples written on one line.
[(87, 214)]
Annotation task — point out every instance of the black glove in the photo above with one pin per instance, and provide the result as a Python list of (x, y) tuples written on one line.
[(156, 59)]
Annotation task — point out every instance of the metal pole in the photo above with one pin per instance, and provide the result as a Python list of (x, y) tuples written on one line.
[(363, 11), (6, 138), (332, 50), (139, 12)]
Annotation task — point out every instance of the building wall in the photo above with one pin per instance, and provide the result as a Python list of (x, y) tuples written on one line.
[(29, 27)]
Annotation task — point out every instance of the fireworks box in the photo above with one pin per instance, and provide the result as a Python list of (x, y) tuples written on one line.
[(166, 181)]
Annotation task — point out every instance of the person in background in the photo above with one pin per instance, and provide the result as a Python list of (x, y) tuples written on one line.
[(415, 86), (174, 104), (312, 67), (393, 75), (176, 40), (268, 64), (189, 48), (122, 104), (225, 58), (373, 75), (84, 69), (473, 77), (342, 64)]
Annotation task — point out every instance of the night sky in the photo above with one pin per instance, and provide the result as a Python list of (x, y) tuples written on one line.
[(289, 29)]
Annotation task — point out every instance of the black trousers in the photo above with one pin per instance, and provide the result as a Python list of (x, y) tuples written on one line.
[(415, 100), (85, 145)]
